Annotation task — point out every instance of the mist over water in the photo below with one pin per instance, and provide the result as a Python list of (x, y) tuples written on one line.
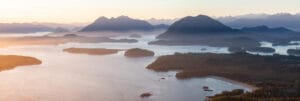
[(149, 50), (77, 77)]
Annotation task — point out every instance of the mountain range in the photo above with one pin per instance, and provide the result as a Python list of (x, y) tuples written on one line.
[(125, 23), (121, 23), (287, 20), (200, 24), (37, 27), (155, 21), (290, 21), (266, 29), (204, 30)]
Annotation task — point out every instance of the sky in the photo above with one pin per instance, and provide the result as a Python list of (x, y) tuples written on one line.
[(84, 11)]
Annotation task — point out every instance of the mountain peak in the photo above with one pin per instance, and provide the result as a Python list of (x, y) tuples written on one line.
[(198, 24), (203, 16), (102, 18), (121, 23), (123, 17)]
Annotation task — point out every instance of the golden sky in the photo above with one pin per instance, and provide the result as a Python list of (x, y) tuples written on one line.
[(70, 11)]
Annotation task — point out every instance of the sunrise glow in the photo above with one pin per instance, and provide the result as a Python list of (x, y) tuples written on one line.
[(67, 11)]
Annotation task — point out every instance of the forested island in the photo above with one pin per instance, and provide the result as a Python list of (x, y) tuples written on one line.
[(91, 51), (137, 52), (252, 49), (12, 61), (277, 76), (55, 40), (293, 52)]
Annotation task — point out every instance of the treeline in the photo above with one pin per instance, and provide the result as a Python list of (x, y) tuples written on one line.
[(273, 93), (277, 76)]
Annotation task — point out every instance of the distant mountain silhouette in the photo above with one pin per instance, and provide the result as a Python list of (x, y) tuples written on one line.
[(201, 24), (23, 28), (155, 21), (161, 26), (122, 23), (60, 30), (203, 30), (290, 21), (266, 29), (33, 27)]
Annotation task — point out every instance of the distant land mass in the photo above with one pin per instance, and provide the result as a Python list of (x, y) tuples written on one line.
[(36, 27), (200, 24), (121, 23), (137, 52), (203, 30), (155, 21), (266, 29), (161, 26), (56, 40), (12, 61), (276, 77), (91, 51), (290, 21), (24, 28)]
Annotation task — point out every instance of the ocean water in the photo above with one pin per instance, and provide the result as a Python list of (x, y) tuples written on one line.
[(79, 77), (281, 49)]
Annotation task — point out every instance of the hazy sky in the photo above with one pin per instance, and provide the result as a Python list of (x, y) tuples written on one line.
[(67, 11)]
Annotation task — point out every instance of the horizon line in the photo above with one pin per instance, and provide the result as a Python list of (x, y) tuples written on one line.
[(87, 22)]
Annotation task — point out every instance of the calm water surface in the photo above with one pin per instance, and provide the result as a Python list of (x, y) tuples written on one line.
[(79, 77)]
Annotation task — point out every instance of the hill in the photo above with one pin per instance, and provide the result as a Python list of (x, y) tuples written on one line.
[(200, 24), (121, 23), (203, 30)]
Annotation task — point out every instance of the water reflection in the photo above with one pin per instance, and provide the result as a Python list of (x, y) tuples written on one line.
[(77, 77), (80, 77), (281, 49), (143, 43)]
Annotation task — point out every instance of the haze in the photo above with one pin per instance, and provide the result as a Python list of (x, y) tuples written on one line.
[(70, 11)]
